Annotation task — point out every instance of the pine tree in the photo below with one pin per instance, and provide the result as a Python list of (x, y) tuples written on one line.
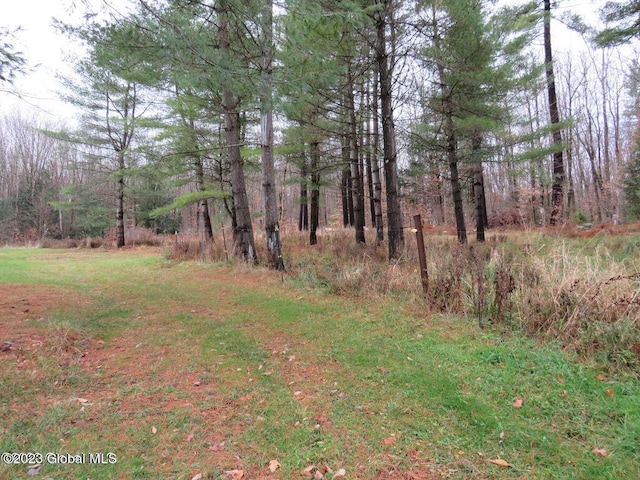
[(272, 227), (310, 92), (476, 59), (554, 113), (626, 19), (111, 105), (12, 61), (205, 56), (384, 59), (632, 180), (631, 177)]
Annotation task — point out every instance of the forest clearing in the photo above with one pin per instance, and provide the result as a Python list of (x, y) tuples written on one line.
[(337, 369), (210, 270)]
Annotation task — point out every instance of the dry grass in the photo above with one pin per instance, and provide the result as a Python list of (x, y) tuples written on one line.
[(581, 290), (135, 237), (191, 371)]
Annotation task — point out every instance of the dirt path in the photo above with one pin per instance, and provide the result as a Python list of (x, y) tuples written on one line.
[(149, 374)]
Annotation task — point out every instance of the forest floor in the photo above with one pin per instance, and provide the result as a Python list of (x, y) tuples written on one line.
[(194, 371)]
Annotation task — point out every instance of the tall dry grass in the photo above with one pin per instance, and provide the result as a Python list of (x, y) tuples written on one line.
[(135, 237), (582, 292)]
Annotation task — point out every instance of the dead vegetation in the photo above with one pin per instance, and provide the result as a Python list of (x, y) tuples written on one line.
[(579, 286)]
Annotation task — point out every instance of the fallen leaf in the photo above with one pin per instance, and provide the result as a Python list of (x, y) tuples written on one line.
[(467, 464), (602, 377), (318, 475), (189, 437), (518, 403), (154, 430), (235, 474), (600, 451), (197, 477), (389, 440), (500, 462), (216, 447), (340, 473), (34, 469), (274, 465), (610, 392), (309, 470)]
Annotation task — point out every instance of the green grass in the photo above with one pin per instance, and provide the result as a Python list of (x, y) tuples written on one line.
[(198, 369)]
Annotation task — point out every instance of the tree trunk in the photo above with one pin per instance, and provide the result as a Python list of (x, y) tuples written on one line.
[(452, 156), (303, 218), (375, 169), (478, 190), (356, 178), (120, 201), (120, 143), (243, 231), (596, 176), (344, 194), (272, 230), (204, 204), (368, 152), (606, 171), (315, 193), (558, 160), (384, 63), (347, 181), (451, 149)]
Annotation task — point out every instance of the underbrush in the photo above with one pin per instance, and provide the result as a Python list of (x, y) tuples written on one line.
[(136, 237), (583, 292)]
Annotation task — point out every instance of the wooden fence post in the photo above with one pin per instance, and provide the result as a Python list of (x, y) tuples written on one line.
[(424, 275)]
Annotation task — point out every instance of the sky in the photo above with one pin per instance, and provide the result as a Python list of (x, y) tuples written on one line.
[(41, 46), (47, 51)]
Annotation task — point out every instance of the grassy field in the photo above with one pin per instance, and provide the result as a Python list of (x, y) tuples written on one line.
[(193, 371)]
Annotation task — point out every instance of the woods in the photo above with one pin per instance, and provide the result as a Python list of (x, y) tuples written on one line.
[(263, 118), (315, 238)]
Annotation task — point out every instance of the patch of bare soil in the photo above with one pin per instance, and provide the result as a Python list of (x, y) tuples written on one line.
[(22, 307)]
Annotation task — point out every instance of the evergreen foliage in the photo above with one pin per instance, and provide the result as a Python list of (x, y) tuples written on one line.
[(12, 61), (625, 16), (632, 181)]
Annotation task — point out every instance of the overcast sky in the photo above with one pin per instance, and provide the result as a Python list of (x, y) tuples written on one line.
[(47, 51)]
